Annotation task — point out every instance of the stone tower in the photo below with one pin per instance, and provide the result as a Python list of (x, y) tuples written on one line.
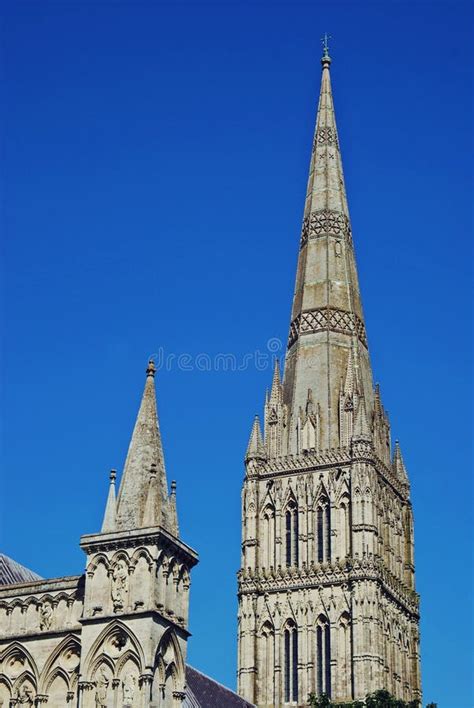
[(136, 591), (327, 600)]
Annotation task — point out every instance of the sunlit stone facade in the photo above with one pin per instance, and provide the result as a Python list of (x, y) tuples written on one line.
[(327, 600)]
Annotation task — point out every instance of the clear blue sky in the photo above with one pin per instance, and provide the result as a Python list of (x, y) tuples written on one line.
[(155, 161)]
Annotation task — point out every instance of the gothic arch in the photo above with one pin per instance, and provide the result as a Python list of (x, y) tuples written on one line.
[(322, 526), (118, 556), (267, 507), (57, 671), (268, 518), (25, 677), (101, 660), (142, 553), (17, 649), (290, 498), (169, 669), (266, 660), (70, 642), (129, 655), (5, 680), (97, 649), (99, 558), (32, 601), (291, 529), (290, 661), (323, 655), (169, 639)]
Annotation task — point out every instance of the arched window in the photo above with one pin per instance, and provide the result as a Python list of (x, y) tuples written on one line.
[(291, 534), (269, 543), (290, 637), (323, 657), (267, 662), (323, 530)]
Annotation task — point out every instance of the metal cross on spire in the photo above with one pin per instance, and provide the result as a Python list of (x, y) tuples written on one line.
[(325, 43)]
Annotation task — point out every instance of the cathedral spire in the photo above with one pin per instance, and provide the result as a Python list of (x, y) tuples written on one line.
[(108, 523), (145, 450), (327, 324)]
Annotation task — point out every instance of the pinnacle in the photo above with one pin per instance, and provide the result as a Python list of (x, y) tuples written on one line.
[(398, 463), (255, 448), (145, 452), (109, 522), (361, 425), (275, 394)]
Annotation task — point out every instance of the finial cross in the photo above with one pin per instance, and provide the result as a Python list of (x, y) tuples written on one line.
[(325, 43)]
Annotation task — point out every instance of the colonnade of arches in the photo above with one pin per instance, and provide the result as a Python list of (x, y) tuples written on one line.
[(113, 673)]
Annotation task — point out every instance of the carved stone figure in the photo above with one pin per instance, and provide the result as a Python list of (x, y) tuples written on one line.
[(119, 585), (25, 696), (46, 616), (129, 686), (102, 687)]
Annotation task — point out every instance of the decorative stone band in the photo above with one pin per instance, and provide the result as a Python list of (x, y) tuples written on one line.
[(310, 460), (327, 574), (331, 457), (325, 135), (327, 319), (326, 222)]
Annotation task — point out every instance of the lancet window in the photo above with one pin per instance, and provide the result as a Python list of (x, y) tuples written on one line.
[(290, 637), (323, 530), (323, 657), (291, 534)]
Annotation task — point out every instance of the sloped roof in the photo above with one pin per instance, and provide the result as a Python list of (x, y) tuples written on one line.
[(12, 572), (204, 692)]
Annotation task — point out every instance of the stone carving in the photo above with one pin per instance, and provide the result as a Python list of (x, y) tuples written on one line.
[(119, 585), (102, 688), (46, 616), (25, 696), (129, 687), (118, 641), (327, 318), (326, 222)]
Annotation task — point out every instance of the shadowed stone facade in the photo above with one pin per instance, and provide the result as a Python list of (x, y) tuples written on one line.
[(327, 599)]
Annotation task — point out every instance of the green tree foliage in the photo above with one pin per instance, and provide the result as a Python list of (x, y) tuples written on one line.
[(378, 699)]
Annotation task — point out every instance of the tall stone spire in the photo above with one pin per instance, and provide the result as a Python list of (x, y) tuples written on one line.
[(322, 496), (327, 319), (144, 453)]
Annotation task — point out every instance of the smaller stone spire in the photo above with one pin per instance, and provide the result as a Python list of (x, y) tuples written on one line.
[(108, 524), (398, 465), (172, 510), (145, 450), (255, 448), (276, 392), (361, 425), (152, 502)]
